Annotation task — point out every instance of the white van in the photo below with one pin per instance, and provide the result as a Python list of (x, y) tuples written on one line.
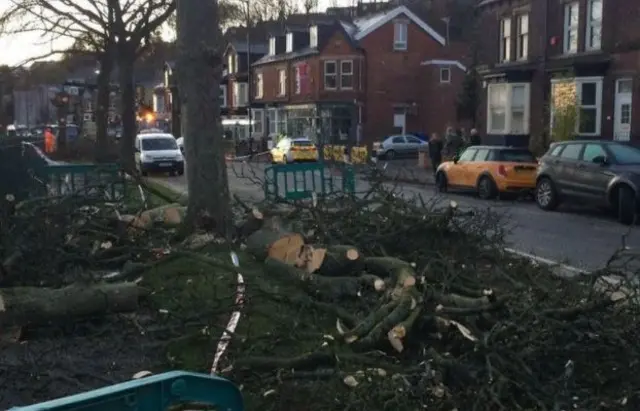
[(158, 152)]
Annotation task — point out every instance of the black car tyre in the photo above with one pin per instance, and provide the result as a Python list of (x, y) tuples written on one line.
[(546, 194), (441, 182), (486, 188), (626, 205), (390, 155)]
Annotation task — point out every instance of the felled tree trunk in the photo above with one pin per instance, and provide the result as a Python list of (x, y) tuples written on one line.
[(20, 306), (271, 242)]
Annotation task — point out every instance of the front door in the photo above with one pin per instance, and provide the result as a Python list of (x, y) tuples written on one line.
[(622, 115)]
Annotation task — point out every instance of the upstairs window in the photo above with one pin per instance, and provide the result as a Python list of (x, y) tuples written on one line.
[(505, 39), (313, 36), (571, 21), (240, 94), (400, 35), (330, 75), (272, 46), (259, 85), (231, 64), (346, 75), (593, 36), (289, 42), (282, 82), (298, 85), (522, 29), (508, 108), (445, 75)]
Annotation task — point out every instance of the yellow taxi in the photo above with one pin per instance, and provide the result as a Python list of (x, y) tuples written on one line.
[(291, 150), (489, 171)]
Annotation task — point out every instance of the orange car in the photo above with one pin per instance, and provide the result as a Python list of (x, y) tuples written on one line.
[(489, 171)]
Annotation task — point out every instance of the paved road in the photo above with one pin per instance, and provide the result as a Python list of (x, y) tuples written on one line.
[(579, 237)]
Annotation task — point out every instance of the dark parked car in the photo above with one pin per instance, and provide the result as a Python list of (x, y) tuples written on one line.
[(604, 174)]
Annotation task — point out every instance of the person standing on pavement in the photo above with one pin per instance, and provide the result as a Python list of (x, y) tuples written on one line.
[(474, 138), (435, 151), (452, 143)]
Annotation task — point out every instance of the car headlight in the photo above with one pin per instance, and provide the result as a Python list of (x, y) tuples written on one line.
[(146, 158), (179, 157)]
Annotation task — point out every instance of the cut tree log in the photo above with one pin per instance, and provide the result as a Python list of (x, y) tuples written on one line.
[(271, 242), (311, 258), (169, 214), (332, 288), (20, 306)]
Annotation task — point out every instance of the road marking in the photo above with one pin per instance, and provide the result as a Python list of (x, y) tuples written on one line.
[(562, 269)]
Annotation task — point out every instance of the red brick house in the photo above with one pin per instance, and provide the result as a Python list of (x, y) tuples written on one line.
[(529, 49), (359, 80)]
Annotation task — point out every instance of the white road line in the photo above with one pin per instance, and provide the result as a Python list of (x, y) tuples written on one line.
[(564, 269)]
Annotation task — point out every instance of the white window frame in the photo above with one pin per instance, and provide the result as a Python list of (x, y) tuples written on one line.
[(257, 113), (282, 82), (326, 75), (400, 34), (240, 95), (522, 36), (344, 74), (298, 78), (579, 81), (272, 46), (313, 36), (592, 25), (570, 30), (445, 79), (505, 39), (508, 108), (259, 85), (223, 93), (289, 42)]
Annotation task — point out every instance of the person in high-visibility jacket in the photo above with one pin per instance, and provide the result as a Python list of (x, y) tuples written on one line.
[(49, 141)]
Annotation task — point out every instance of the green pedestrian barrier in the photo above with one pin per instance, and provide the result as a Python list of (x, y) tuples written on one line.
[(289, 182)]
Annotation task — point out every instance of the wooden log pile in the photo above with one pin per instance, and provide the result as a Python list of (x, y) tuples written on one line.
[(427, 312)]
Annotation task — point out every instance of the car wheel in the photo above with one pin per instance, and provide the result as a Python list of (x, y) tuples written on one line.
[(626, 205), (486, 188), (546, 194), (441, 182), (390, 155)]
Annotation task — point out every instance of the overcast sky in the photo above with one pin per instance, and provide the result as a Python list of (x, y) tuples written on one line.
[(17, 49)]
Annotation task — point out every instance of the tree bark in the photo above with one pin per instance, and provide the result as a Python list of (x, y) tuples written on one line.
[(126, 61), (102, 110), (199, 72), (21, 306)]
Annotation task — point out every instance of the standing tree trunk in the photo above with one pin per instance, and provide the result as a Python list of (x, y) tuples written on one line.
[(126, 59), (200, 71), (103, 145)]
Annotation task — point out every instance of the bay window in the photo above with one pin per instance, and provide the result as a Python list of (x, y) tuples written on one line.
[(508, 108), (240, 94), (588, 101), (273, 118), (257, 118), (223, 96), (593, 37)]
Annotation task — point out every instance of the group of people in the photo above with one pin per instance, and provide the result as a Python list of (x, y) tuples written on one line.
[(454, 142)]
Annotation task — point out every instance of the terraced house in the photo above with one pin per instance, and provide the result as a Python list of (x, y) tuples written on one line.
[(532, 51), (358, 80)]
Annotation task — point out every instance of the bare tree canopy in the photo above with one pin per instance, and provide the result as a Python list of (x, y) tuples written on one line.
[(90, 24)]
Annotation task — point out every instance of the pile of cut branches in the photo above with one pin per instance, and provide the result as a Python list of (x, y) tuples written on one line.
[(382, 302)]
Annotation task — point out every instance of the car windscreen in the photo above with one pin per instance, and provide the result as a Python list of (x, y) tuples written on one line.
[(157, 144), (302, 143), (516, 156), (623, 154)]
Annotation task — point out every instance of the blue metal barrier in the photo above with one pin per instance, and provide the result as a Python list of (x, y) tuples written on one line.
[(301, 181), (155, 393)]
